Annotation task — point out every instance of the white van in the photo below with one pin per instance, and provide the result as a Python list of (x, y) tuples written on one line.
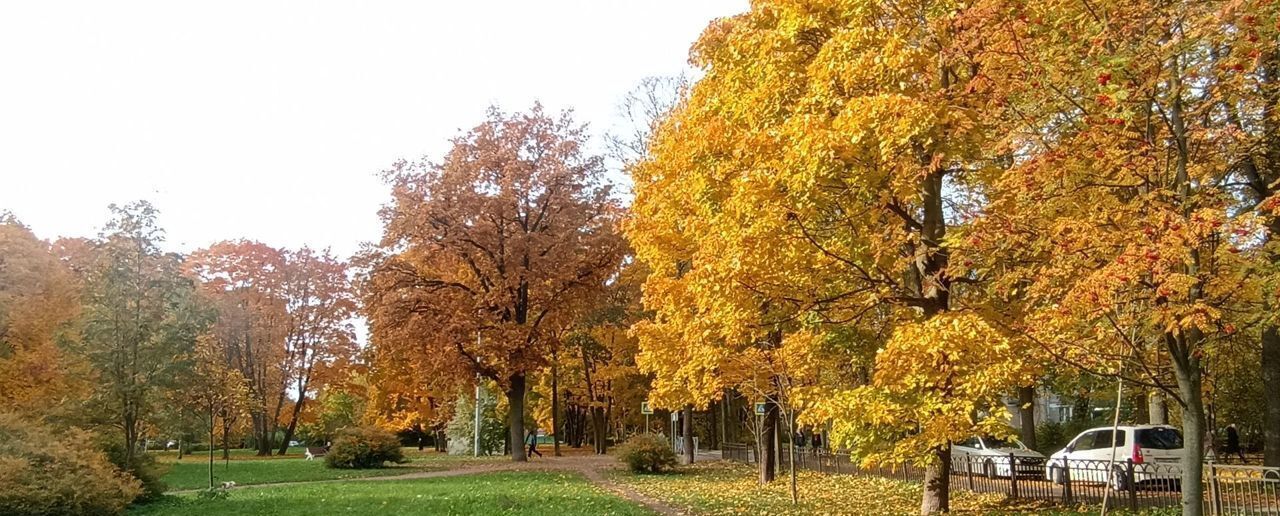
[(1156, 452)]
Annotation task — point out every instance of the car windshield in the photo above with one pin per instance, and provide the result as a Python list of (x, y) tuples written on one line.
[(996, 442), (1160, 438)]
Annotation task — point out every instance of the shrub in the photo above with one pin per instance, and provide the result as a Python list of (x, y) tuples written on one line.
[(213, 493), (461, 429), (647, 453), (363, 448), (47, 473), (1051, 437), (143, 468)]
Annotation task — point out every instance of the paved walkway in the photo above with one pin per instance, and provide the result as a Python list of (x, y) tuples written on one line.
[(594, 467)]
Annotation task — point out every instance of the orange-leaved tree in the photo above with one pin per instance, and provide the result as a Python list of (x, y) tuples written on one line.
[(39, 303), (319, 340), (484, 253), (243, 281)]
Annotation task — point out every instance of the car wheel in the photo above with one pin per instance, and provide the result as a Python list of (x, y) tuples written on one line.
[(989, 469)]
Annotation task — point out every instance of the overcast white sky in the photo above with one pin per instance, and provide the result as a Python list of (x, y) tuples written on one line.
[(269, 120)]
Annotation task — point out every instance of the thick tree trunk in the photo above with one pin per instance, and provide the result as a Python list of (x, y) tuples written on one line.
[(713, 416), (261, 433), (1157, 408), (515, 417), (688, 434), (211, 441), (1265, 184), (293, 425), (226, 442), (1186, 368), (1027, 415), (937, 483), (555, 404), (767, 439), (599, 430), (1271, 392), (130, 437)]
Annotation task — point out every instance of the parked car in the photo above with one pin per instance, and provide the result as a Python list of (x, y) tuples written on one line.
[(1156, 452), (992, 454)]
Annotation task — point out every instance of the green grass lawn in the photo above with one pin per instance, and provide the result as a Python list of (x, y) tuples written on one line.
[(192, 472), (534, 493)]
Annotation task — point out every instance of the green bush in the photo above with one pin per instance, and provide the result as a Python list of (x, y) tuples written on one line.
[(213, 493), (647, 453), (1051, 436), (363, 448), (143, 468), (47, 473), (461, 429)]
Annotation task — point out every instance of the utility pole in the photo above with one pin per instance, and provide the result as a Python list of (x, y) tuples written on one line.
[(475, 434)]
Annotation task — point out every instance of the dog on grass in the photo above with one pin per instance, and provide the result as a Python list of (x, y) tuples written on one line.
[(228, 485)]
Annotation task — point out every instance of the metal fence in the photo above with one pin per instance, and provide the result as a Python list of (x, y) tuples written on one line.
[(1122, 484)]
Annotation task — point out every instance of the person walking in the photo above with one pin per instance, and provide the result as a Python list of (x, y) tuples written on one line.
[(532, 441), (1233, 444)]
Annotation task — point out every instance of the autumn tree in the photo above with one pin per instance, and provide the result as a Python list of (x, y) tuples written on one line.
[(140, 317), (484, 251), (599, 355), (810, 181), (1129, 217), (214, 389), (319, 339), (39, 305), (284, 321), (642, 110), (244, 282)]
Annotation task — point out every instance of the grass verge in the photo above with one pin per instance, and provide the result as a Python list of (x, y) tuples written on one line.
[(192, 472), (532, 493)]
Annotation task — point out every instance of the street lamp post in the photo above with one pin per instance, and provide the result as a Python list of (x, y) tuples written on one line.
[(476, 433)]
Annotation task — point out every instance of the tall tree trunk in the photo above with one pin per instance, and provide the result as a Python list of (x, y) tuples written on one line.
[(1264, 181), (1186, 368), (293, 422), (768, 436), (713, 416), (1027, 415), (515, 417), (226, 440), (933, 288), (688, 434), (130, 436), (212, 439), (262, 431), (599, 430), (1271, 389), (1271, 359), (1184, 347), (555, 404), (1157, 408), (937, 479)]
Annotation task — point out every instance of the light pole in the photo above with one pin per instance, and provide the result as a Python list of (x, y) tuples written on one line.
[(476, 433)]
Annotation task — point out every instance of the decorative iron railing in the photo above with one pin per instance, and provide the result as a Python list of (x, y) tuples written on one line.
[(1228, 489)]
